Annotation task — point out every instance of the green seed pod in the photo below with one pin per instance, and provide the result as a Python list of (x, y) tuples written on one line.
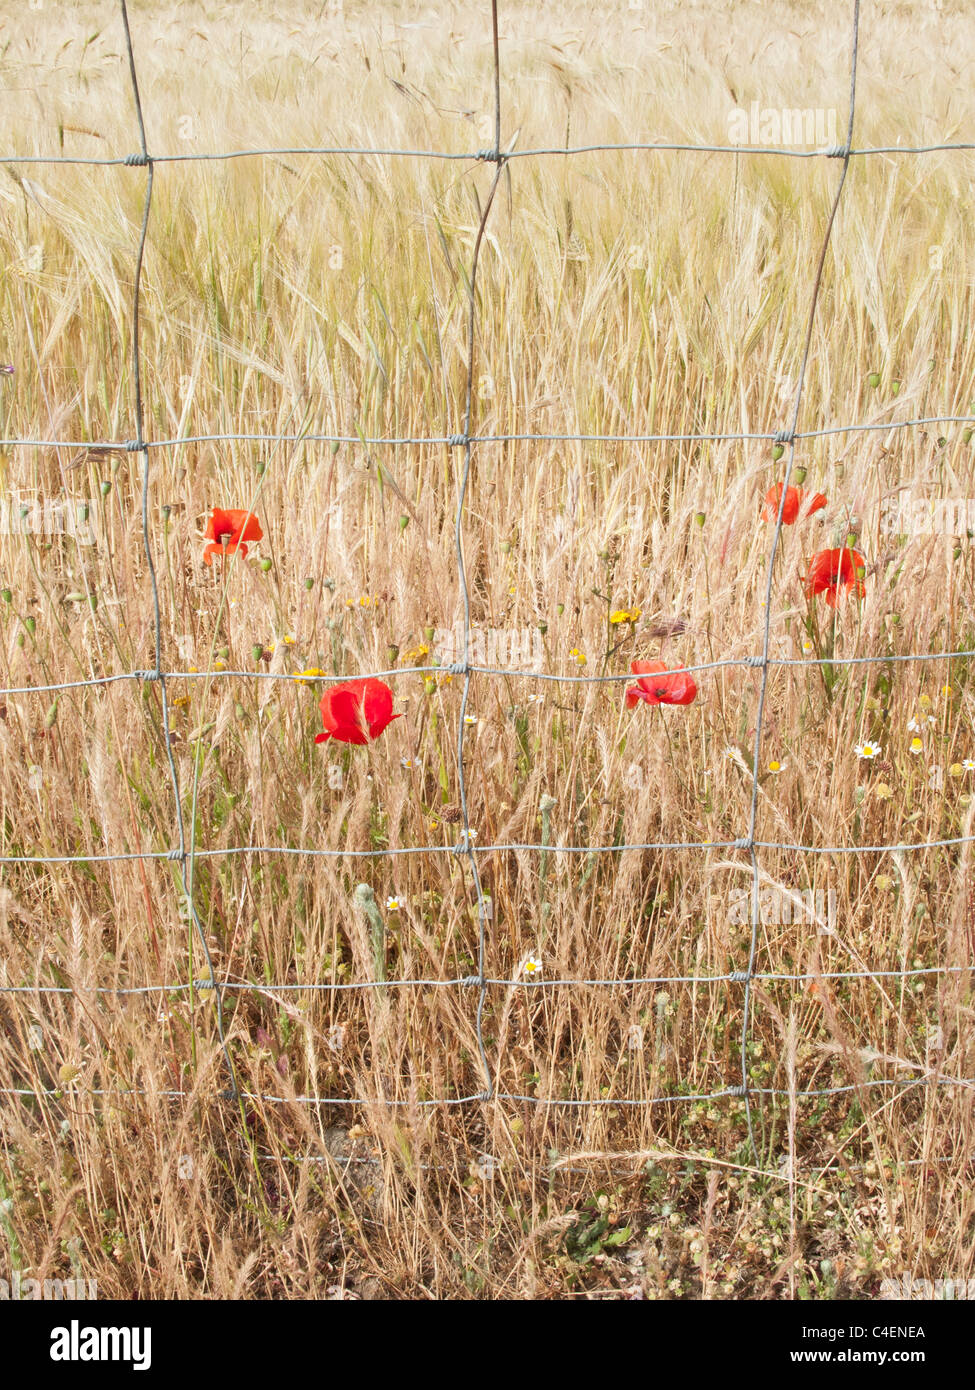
[(404, 521), (429, 633), (31, 625), (51, 718), (560, 608), (851, 539), (778, 451), (239, 711), (309, 584), (429, 685), (334, 447), (895, 618), (957, 552), (895, 387), (699, 519), (105, 487), (6, 595), (223, 653), (392, 654), (873, 380), (800, 476), (20, 639), (966, 436), (257, 651), (543, 627), (505, 547), (266, 565)]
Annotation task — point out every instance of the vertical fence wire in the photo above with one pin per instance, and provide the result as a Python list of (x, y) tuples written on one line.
[(180, 858), (766, 633)]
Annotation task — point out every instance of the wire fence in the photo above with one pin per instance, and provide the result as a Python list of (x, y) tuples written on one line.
[(185, 853)]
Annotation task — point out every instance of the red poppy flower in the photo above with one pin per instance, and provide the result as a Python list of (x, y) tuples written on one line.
[(356, 711), (833, 572), (229, 528), (659, 686), (795, 502)]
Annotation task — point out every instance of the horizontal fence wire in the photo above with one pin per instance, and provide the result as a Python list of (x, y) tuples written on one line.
[(185, 854), (475, 156), (615, 982), (457, 441)]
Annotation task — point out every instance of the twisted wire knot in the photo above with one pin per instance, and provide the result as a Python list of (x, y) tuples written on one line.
[(783, 437), (175, 854), (471, 980), (140, 160), (456, 441), (457, 668), (147, 675), (738, 1090), (744, 843), (133, 446), (836, 151), (738, 977), (754, 661)]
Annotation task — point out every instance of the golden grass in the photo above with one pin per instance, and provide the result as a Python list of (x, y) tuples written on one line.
[(618, 293)]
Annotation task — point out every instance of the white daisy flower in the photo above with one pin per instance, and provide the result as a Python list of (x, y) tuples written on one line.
[(868, 750)]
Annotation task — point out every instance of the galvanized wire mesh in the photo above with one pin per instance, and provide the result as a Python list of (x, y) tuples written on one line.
[(185, 853)]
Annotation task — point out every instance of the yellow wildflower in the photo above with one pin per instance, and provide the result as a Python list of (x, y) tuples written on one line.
[(304, 677)]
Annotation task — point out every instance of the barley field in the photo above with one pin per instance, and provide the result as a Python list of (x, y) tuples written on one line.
[(317, 1127)]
